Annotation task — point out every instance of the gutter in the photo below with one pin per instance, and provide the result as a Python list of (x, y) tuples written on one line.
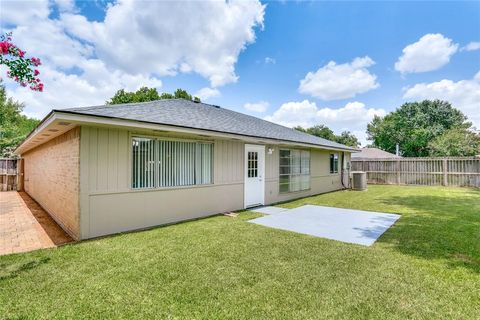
[(48, 118)]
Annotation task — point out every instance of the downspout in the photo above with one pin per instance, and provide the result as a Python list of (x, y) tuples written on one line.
[(342, 175)]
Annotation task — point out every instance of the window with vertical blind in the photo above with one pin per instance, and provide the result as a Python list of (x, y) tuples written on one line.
[(163, 163), (294, 170), (143, 163)]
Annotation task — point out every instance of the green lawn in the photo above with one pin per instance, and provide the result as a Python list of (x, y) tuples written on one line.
[(427, 266)]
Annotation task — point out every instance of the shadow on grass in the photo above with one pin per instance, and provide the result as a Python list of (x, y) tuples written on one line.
[(13, 270), (376, 231), (439, 227)]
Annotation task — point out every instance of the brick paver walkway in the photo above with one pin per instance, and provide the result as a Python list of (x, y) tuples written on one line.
[(25, 226)]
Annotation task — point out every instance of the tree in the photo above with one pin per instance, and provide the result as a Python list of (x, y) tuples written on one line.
[(414, 125), (349, 139), (20, 68), (321, 131), (300, 128), (14, 126), (346, 137), (455, 142), (141, 95), (182, 94), (145, 94)]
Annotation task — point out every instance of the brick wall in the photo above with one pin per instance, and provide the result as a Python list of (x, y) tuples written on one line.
[(52, 179)]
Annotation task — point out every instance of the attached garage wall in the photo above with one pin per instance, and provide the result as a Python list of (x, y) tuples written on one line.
[(52, 178)]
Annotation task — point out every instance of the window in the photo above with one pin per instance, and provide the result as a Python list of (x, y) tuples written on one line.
[(143, 162), (334, 163), (294, 170), (162, 163), (252, 169)]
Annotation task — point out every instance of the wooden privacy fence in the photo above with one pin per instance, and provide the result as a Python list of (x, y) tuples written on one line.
[(462, 172), (10, 172)]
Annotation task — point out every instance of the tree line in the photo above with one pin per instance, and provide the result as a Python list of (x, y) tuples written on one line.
[(14, 126), (425, 129), (422, 129), (346, 137), (145, 94), (428, 128)]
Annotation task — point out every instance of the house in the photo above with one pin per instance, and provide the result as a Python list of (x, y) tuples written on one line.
[(369, 153), (107, 169)]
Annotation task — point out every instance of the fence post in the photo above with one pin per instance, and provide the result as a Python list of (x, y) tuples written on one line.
[(398, 171), (445, 175), (20, 175)]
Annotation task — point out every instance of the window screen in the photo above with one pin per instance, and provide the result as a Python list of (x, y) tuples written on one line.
[(162, 163), (294, 170)]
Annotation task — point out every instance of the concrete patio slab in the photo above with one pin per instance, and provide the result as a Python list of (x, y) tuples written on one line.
[(269, 210), (346, 225)]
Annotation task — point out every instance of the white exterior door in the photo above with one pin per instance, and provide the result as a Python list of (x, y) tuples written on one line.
[(254, 175)]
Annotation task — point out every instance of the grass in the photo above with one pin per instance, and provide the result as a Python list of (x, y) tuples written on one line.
[(426, 266)]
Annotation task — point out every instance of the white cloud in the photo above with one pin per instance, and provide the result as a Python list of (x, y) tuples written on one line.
[(259, 107), (431, 52), (96, 85), (472, 46), (463, 95), (47, 39), (354, 116), (85, 62), (211, 36), (22, 12), (340, 81), (206, 93), (65, 5), (269, 60)]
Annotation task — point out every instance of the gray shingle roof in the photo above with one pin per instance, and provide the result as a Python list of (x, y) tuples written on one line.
[(373, 153), (185, 113)]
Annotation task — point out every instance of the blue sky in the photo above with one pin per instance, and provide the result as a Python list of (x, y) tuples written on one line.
[(254, 61)]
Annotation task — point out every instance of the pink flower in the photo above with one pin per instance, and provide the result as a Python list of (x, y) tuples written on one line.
[(21, 53), (36, 72), (23, 84), (35, 62), (4, 47)]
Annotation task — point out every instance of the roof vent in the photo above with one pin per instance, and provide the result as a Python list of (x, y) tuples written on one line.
[(53, 130)]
